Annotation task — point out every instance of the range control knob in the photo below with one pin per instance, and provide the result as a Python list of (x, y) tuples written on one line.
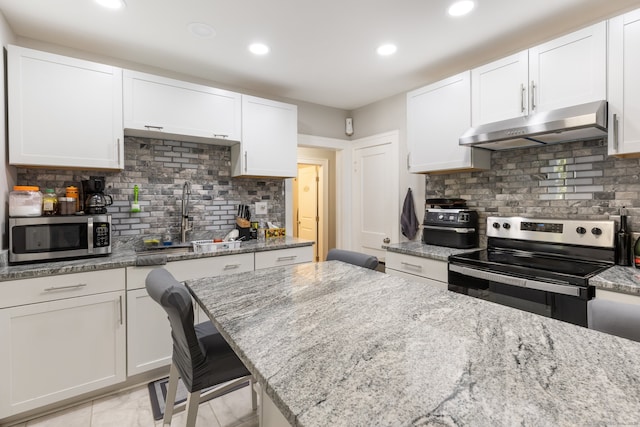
[(496, 225), (596, 231), (506, 226), (581, 230), (440, 216)]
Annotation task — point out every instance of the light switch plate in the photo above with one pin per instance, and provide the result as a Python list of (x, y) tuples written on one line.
[(261, 208)]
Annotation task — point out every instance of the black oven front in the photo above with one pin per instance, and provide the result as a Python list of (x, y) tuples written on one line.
[(549, 298)]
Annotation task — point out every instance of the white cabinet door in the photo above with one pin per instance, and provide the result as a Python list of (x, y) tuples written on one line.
[(425, 267), (172, 107), (269, 139), (149, 343), (284, 257), (60, 349), (563, 72), (437, 115), (569, 70), (63, 112), (624, 84), (499, 89)]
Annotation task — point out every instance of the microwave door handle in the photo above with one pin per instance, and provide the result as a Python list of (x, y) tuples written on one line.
[(516, 281), (90, 235)]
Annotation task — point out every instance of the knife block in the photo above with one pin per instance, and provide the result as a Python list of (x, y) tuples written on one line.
[(244, 233)]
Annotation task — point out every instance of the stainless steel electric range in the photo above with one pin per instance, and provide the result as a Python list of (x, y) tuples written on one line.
[(538, 265)]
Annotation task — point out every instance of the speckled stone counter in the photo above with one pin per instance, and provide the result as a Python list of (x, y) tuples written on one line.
[(337, 345), (619, 279), (425, 251), (127, 257)]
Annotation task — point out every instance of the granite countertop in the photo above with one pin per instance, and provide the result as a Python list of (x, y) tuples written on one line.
[(126, 257), (419, 249), (334, 344), (618, 279)]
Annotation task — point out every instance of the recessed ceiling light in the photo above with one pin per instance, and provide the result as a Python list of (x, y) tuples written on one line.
[(460, 8), (111, 4), (200, 29), (259, 48), (387, 49)]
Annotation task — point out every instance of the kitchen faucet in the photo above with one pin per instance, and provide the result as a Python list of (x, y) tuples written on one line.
[(184, 220)]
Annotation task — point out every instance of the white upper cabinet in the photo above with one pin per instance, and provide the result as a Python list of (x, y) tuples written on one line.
[(63, 112), (566, 71), (172, 107), (437, 115), (269, 139), (624, 84), (499, 89)]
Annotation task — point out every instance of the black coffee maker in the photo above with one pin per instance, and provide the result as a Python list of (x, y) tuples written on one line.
[(95, 201)]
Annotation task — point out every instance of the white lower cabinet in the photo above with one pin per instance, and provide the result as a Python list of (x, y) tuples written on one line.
[(148, 332), (64, 336), (426, 270)]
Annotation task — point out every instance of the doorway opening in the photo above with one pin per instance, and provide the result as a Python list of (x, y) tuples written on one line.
[(308, 197)]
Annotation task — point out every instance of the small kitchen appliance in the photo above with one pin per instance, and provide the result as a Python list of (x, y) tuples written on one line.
[(448, 222), (95, 201), (538, 265), (37, 239)]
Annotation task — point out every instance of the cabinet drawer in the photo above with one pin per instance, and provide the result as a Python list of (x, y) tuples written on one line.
[(50, 288), (284, 257), (193, 268), (425, 267)]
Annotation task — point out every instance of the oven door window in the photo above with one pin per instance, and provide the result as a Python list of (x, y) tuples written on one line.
[(549, 304), (49, 238)]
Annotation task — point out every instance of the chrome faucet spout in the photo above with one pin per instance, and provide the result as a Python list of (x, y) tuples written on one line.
[(184, 214)]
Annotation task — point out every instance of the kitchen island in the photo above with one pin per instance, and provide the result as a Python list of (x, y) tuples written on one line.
[(334, 344)]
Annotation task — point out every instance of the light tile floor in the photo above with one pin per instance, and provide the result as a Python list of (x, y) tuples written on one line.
[(133, 409)]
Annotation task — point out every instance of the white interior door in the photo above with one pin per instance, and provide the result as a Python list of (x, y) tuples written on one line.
[(375, 193), (308, 204)]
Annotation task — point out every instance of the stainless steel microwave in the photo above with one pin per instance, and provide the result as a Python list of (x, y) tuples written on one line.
[(47, 238)]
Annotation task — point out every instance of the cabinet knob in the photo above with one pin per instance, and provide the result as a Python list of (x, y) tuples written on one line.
[(386, 240)]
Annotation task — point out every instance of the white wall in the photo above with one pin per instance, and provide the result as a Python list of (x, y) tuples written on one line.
[(8, 177)]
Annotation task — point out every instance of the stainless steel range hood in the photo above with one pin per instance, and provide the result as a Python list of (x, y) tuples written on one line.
[(580, 122)]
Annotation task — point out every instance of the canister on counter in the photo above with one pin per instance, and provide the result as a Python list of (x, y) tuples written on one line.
[(72, 191), (25, 200), (49, 202)]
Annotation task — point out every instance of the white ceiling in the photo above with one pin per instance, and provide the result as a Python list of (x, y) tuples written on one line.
[(321, 51)]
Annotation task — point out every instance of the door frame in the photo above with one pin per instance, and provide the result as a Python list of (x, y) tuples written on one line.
[(342, 148)]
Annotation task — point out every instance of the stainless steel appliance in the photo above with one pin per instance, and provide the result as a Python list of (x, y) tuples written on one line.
[(39, 239), (538, 265), (447, 222), (580, 122)]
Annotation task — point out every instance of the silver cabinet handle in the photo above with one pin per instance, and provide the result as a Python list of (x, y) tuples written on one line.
[(220, 135), (533, 96), (120, 303), (615, 132), (409, 160), (408, 264), (287, 258), (522, 93), (118, 152), (231, 266), (245, 161), (154, 127), (65, 288)]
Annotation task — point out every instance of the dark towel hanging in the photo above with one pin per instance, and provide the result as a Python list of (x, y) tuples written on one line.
[(408, 219)]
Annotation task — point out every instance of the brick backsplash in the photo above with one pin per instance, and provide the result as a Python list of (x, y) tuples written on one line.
[(160, 168), (571, 180)]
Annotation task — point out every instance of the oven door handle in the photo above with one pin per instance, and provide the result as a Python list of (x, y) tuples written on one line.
[(516, 281), (456, 229)]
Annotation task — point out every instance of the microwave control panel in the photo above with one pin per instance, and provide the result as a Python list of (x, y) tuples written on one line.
[(101, 234)]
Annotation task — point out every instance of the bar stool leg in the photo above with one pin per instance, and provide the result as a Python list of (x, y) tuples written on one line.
[(171, 395)]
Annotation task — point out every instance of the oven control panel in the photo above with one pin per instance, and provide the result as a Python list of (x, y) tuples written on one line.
[(564, 231)]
